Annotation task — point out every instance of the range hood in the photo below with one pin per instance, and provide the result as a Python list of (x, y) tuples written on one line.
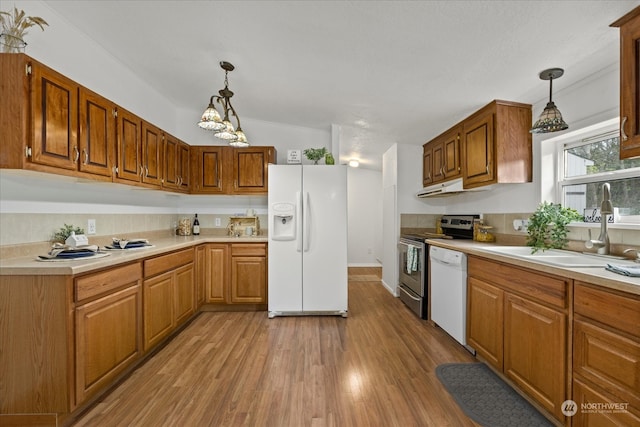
[(448, 188)]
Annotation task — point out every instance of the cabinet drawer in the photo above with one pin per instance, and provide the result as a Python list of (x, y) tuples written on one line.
[(612, 309), (248, 249), (532, 284), (607, 359), (155, 266), (100, 283), (588, 399)]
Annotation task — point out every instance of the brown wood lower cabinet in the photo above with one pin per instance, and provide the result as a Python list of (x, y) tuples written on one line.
[(169, 294), (236, 273), (606, 362), (517, 322), (108, 326)]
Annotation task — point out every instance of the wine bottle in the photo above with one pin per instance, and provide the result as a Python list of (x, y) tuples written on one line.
[(196, 226)]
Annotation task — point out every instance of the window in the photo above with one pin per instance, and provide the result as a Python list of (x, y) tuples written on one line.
[(589, 161)]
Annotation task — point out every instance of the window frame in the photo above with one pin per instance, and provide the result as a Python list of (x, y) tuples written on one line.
[(603, 130)]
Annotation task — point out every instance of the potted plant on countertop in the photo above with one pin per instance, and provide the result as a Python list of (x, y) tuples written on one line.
[(61, 235), (315, 154), (548, 226), (14, 26)]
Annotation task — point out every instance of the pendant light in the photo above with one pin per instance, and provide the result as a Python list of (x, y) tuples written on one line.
[(551, 119), (222, 127)]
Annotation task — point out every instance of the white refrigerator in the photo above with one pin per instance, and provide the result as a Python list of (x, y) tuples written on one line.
[(307, 240)]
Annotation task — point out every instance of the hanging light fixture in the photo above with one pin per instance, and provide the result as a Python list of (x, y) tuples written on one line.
[(551, 119), (222, 127)]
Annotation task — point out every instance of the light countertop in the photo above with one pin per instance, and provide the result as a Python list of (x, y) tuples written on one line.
[(595, 275), (31, 266)]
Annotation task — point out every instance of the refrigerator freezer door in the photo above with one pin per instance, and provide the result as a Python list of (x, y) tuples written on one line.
[(285, 260), (324, 266)]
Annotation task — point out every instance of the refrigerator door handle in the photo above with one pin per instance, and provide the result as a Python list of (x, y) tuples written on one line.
[(299, 237), (307, 222)]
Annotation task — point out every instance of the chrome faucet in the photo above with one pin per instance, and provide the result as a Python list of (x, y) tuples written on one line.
[(602, 244)]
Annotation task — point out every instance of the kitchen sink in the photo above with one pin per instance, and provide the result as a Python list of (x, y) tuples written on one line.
[(558, 257)]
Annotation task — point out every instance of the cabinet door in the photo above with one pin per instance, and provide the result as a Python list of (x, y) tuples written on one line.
[(97, 133), (630, 85), (54, 117), (427, 165), (250, 170), (170, 178), (585, 394), (207, 170), (184, 170), (451, 144), (159, 319), (108, 339), (485, 321), (217, 275), (200, 274), (535, 351), (151, 154), (248, 280), (438, 161), (184, 293), (128, 148), (478, 151)]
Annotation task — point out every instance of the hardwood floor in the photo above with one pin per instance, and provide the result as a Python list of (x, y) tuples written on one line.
[(374, 368)]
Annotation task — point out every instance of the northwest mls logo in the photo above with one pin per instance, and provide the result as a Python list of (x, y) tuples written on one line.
[(569, 408)]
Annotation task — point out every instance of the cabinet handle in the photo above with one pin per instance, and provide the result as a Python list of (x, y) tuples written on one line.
[(27, 151), (86, 156), (622, 134), (77, 156), (146, 171)]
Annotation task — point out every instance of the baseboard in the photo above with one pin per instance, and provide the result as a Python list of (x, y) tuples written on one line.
[(389, 288), (369, 264)]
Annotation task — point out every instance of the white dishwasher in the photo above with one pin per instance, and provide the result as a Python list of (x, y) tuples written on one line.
[(448, 283)]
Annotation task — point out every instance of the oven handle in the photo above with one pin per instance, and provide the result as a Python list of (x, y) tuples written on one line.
[(409, 295), (404, 243)]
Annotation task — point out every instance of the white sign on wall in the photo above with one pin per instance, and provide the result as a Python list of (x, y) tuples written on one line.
[(294, 156)]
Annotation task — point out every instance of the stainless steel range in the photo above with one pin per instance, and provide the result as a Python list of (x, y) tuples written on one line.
[(413, 254)]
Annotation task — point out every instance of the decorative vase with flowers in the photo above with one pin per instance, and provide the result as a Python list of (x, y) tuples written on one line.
[(13, 28)]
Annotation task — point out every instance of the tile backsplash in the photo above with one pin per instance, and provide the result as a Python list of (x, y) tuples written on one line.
[(505, 233), (19, 230)]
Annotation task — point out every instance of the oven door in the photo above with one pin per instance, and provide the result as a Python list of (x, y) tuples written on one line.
[(411, 268)]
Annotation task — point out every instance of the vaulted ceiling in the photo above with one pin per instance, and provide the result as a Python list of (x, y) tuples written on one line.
[(385, 71)]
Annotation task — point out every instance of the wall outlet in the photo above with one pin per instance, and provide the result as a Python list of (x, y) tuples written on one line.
[(218, 222), (520, 224), (91, 226)]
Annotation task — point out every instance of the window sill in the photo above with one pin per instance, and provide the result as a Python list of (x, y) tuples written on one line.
[(615, 225)]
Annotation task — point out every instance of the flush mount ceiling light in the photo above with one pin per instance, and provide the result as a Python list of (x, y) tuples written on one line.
[(551, 119), (354, 163), (222, 127)]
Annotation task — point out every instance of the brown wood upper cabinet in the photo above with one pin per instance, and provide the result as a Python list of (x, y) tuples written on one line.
[(496, 145), (129, 147), (175, 164), (441, 157), (228, 170), (250, 167), (491, 146), (52, 124), (629, 83)]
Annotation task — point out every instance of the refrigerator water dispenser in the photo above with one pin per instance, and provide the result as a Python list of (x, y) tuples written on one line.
[(283, 226)]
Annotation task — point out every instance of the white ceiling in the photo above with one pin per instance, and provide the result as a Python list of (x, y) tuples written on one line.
[(385, 71)]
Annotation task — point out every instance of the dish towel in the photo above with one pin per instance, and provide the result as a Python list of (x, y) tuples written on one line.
[(412, 259), (626, 270)]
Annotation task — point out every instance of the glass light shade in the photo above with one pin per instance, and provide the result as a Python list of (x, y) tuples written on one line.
[(241, 136), (550, 120), (354, 163), (228, 133), (239, 144), (211, 119)]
